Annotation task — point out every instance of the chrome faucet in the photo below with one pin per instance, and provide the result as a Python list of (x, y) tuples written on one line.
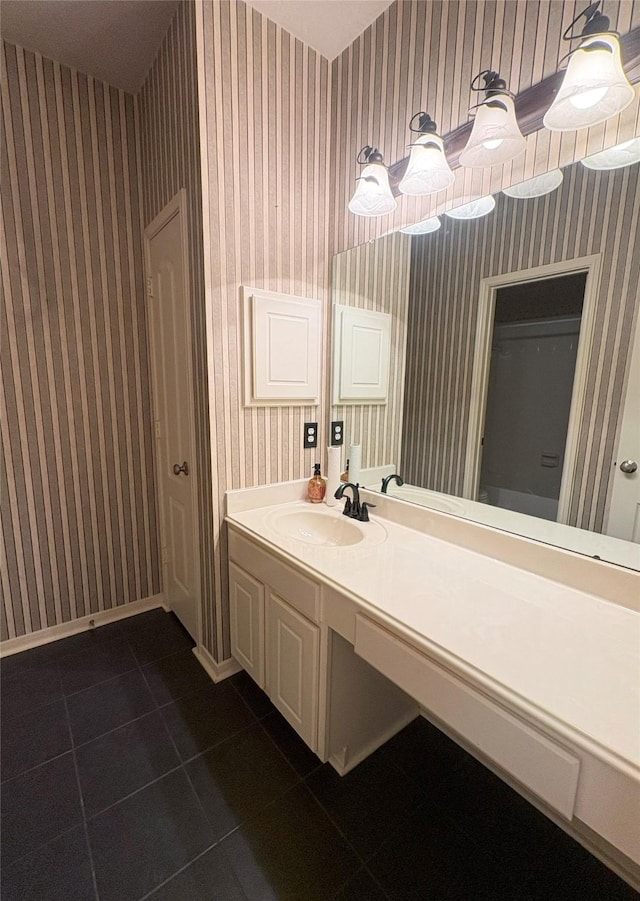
[(353, 508), (395, 477)]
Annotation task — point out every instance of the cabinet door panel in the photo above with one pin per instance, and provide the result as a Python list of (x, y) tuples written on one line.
[(292, 667), (246, 601)]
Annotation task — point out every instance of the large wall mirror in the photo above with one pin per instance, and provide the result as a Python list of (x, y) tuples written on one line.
[(513, 339)]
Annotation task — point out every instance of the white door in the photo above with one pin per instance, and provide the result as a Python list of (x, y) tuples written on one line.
[(624, 511), (170, 350)]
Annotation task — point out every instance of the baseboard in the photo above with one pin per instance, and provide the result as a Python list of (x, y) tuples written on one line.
[(217, 671), (343, 764), (83, 624)]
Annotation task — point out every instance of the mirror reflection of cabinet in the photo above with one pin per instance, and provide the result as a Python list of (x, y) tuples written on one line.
[(362, 343)]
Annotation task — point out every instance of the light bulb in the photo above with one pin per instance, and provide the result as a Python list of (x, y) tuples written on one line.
[(587, 98), (594, 88), (495, 137)]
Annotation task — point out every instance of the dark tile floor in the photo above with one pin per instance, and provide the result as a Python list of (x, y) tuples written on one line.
[(127, 774)]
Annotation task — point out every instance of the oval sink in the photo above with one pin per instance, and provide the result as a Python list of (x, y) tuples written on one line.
[(324, 529)]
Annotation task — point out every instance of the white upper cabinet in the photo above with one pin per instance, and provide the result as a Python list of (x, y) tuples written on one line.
[(282, 339)]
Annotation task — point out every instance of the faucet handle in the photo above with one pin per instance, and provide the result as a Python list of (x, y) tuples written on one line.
[(364, 511), (347, 506)]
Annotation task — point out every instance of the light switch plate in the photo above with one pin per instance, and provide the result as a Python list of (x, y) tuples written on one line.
[(337, 433), (310, 437)]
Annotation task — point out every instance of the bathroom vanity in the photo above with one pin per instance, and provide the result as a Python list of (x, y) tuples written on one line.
[(526, 655)]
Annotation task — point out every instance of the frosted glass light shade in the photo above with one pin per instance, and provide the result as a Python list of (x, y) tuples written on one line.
[(422, 228), (535, 187), (594, 86), (615, 157), (473, 210), (495, 137), (373, 195), (428, 170)]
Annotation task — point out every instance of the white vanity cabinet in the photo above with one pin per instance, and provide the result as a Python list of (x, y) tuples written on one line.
[(535, 677), (275, 634), (246, 603), (288, 632), (293, 667)]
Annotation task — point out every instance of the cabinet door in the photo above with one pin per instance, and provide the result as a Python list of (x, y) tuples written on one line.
[(292, 667), (246, 601)]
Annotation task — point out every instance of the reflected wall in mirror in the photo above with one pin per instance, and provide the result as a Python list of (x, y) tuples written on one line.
[(433, 287)]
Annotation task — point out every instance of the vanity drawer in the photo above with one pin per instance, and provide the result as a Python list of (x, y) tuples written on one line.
[(538, 763), (299, 591)]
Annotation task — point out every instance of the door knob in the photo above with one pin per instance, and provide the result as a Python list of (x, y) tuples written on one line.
[(628, 466), (177, 469)]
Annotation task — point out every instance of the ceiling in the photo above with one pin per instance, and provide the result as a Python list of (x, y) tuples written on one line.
[(117, 40), (329, 26), (113, 40)]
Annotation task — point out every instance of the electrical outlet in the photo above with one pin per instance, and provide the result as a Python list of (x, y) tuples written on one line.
[(310, 437), (337, 433)]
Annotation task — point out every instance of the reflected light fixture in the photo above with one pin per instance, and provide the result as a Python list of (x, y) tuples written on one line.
[(373, 195), (495, 136), (427, 170), (535, 187), (473, 210), (615, 157), (422, 228), (595, 87)]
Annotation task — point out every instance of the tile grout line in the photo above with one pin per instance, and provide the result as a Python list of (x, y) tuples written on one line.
[(136, 791), (82, 807), (181, 766), (37, 766), (186, 867)]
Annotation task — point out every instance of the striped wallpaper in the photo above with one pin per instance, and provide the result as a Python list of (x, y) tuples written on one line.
[(78, 511), (90, 165), (375, 276), (592, 212), (265, 119), (170, 156), (422, 55)]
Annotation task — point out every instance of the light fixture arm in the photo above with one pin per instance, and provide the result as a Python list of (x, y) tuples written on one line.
[(425, 124), (493, 84), (369, 154), (597, 23)]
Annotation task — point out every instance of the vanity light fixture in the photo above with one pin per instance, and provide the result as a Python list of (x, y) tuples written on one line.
[(495, 136), (427, 170), (373, 195), (473, 210), (422, 228), (595, 87), (535, 187), (615, 157)]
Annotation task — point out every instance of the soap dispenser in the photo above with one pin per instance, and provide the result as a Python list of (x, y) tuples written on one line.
[(317, 486)]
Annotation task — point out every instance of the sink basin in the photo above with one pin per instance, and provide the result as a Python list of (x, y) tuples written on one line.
[(426, 498), (323, 528)]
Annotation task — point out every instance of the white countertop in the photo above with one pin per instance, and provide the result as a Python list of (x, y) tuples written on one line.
[(572, 655)]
